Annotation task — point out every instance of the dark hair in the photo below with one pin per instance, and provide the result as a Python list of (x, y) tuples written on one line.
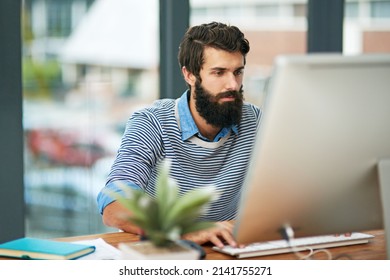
[(214, 34)]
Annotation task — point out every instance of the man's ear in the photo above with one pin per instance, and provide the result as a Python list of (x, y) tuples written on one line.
[(188, 76)]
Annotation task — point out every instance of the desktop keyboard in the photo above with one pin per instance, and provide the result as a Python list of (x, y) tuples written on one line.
[(296, 244)]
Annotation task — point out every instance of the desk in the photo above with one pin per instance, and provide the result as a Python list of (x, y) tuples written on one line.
[(374, 250)]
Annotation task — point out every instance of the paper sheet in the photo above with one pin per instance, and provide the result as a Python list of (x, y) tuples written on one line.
[(104, 251)]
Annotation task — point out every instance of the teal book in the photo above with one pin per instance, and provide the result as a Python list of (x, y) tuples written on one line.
[(44, 249)]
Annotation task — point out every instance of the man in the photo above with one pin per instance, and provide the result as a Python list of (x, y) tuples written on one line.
[(208, 133)]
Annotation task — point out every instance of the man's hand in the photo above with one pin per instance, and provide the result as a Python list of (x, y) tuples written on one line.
[(115, 215), (219, 235)]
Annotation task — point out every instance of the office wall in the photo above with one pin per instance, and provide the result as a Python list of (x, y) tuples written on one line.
[(11, 133)]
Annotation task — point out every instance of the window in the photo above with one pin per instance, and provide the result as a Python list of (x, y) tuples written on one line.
[(351, 10), (59, 19), (380, 9), (87, 65)]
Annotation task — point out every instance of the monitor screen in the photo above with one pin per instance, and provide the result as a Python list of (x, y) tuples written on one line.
[(314, 167)]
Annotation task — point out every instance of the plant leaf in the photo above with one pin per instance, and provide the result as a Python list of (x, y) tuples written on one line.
[(191, 201)]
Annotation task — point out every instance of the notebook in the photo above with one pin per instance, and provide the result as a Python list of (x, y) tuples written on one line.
[(35, 248), (296, 244)]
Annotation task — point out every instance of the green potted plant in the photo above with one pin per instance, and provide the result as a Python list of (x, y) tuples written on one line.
[(165, 218)]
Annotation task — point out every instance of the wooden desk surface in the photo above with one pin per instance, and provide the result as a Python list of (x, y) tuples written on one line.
[(374, 250)]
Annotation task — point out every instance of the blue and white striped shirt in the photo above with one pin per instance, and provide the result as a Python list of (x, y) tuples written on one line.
[(166, 130)]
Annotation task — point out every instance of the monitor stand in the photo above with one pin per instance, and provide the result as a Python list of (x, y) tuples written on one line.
[(384, 184)]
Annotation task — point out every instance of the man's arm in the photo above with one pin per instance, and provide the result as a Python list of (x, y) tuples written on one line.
[(115, 215)]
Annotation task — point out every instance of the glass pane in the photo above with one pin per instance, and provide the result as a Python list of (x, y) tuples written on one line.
[(351, 10), (87, 65), (380, 9), (367, 27), (272, 28)]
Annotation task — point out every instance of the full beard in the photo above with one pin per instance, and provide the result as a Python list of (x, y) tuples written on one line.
[(215, 113)]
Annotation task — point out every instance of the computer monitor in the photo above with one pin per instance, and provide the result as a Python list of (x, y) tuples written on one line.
[(325, 127)]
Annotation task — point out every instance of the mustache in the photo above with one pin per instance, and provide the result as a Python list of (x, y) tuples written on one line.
[(233, 93)]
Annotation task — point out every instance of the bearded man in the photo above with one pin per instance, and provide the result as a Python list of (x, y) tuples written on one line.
[(207, 134)]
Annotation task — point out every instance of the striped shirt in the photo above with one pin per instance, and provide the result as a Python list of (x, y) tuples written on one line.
[(166, 130)]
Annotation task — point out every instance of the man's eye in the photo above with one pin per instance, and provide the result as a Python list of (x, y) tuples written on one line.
[(239, 72)]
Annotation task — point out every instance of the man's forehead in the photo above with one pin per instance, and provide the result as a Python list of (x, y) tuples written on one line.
[(217, 58)]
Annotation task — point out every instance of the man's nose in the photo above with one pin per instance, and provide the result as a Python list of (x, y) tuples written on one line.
[(232, 82)]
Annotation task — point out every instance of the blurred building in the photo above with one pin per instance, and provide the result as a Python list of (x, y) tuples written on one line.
[(116, 42), (48, 23), (279, 27)]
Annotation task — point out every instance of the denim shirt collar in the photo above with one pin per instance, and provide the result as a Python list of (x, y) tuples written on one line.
[(188, 126)]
